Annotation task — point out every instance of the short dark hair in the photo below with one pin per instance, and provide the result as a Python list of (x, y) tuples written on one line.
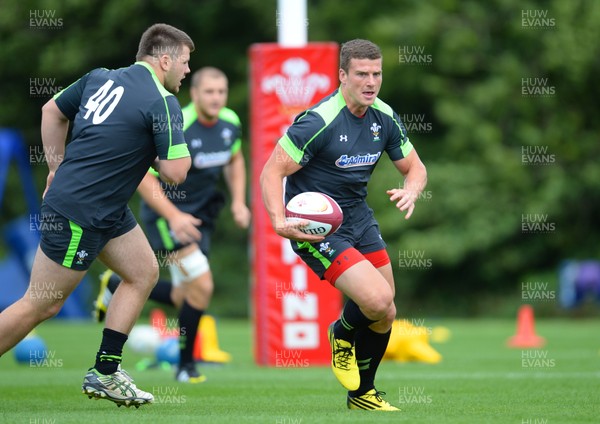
[(358, 49), (162, 38), (207, 71)]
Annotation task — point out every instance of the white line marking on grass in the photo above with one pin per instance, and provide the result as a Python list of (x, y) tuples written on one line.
[(505, 375)]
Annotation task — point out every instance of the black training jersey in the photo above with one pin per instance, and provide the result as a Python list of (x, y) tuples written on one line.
[(211, 148), (122, 120), (338, 151)]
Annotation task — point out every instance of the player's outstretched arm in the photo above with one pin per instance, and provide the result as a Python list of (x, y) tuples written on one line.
[(279, 166), (235, 176), (415, 181)]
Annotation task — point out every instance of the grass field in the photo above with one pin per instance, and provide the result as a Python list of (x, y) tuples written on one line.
[(478, 381)]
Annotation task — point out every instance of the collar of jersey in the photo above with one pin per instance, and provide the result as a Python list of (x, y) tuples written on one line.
[(342, 103), (161, 88), (147, 66)]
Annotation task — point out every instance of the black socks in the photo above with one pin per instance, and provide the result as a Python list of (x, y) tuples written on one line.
[(109, 356), (189, 318), (351, 320), (113, 283), (370, 348), (162, 293), (353, 326)]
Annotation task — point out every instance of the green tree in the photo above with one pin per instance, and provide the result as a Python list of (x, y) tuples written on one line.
[(508, 92), (499, 98)]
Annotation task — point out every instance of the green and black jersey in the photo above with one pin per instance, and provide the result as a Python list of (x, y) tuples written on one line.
[(338, 151), (122, 120), (211, 148)]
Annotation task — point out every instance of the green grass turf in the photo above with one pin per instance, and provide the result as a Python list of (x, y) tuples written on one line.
[(479, 381)]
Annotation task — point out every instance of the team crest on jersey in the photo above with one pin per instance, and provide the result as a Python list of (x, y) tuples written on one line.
[(346, 161), (375, 131), (226, 135)]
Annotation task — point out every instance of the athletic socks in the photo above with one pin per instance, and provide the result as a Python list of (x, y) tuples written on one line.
[(351, 320), (370, 348), (109, 356), (353, 326), (113, 283), (189, 318), (162, 293)]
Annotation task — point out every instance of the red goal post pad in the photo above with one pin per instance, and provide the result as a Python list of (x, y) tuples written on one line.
[(291, 306)]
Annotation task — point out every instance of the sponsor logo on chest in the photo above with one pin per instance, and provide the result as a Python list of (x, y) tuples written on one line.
[(210, 159), (349, 161)]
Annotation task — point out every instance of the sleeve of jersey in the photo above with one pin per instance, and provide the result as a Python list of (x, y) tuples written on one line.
[(301, 139), (237, 144), (68, 99), (167, 128), (399, 145), (233, 118)]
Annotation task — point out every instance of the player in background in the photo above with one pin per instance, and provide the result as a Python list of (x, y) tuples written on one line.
[(179, 220), (333, 148), (122, 121)]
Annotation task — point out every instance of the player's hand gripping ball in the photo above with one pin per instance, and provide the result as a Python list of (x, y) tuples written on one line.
[(322, 212)]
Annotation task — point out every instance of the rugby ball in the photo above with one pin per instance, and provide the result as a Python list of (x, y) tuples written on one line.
[(323, 214), (144, 339)]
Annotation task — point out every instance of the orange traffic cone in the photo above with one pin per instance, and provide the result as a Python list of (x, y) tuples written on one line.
[(206, 345), (158, 320), (526, 337)]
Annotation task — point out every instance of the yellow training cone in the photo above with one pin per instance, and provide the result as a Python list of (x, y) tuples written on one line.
[(409, 343), (206, 347)]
